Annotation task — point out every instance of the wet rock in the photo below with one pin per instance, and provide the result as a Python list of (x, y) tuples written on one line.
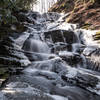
[(55, 65), (24, 91), (89, 50), (93, 60), (75, 93), (60, 46), (3, 75), (33, 56), (14, 30), (51, 16), (50, 82), (2, 81), (3, 70), (70, 58), (14, 59), (11, 55), (83, 80), (18, 27), (86, 80), (24, 17), (44, 81), (35, 88), (61, 36), (78, 47)]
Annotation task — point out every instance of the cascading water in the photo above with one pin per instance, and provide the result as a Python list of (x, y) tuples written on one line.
[(36, 46), (59, 54), (42, 6)]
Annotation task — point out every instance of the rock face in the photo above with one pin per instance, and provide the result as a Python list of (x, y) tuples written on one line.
[(9, 54), (93, 59), (61, 36), (71, 58), (26, 16)]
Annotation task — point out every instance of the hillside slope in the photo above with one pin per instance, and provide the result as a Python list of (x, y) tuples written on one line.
[(84, 12)]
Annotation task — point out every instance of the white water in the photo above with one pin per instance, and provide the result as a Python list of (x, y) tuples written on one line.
[(42, 6)]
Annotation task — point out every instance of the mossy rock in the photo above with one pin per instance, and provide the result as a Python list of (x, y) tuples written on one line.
[(98, 32), (86, 26), (97, 35), (3, 71), (4, 75)]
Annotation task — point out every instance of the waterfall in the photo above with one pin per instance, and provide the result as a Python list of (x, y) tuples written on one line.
[(43, 5), (51, 60)]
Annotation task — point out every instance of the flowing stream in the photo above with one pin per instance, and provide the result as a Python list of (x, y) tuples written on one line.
[(62, 62)]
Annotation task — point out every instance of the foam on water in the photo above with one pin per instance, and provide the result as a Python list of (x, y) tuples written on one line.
[(87, 37)]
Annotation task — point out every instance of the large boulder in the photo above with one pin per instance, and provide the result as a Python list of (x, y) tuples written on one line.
[(11, 55), (26, 16), (61, 36), (71, 58), (92, 55)]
